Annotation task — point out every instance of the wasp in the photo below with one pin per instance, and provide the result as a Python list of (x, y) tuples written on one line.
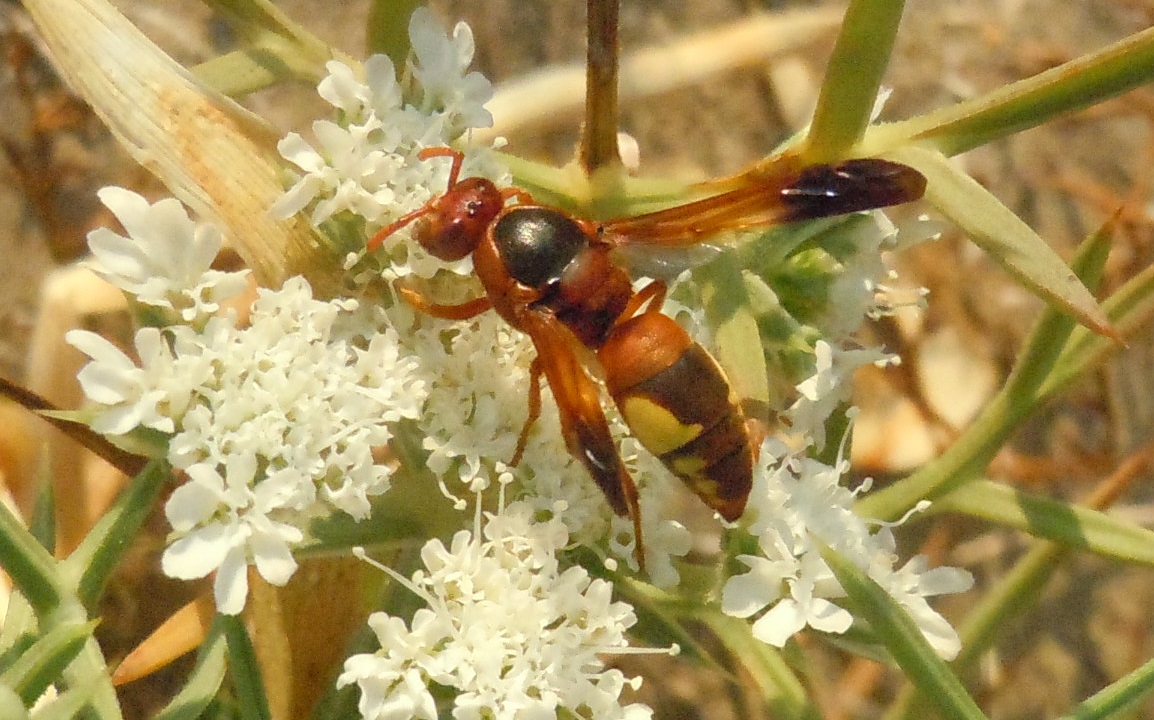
[(558, 279)]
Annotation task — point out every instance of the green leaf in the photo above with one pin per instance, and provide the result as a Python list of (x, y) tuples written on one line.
[(1080, 83), (1070, 525), (278, 49), (1118, 697), (106, 543), (997, 230), (205, 680), (904, 640), (40, 665), (851, 83), (33, 570), (387, 29)]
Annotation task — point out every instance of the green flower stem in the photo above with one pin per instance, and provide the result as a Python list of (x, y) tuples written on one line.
[(904, 640), (968, 457), (1080, 83), (855, 71), (252, 702), (782, 692)]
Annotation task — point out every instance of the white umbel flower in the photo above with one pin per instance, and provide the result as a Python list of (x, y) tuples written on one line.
[(798, 506), (165, 259), (505, 627)]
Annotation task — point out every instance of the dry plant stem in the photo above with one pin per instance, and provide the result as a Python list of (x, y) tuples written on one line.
[(552, 95), (127, 463), (599, 135), (213, 155)]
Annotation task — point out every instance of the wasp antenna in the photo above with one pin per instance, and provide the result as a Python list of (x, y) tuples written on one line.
[(444, 151), (376, 240)]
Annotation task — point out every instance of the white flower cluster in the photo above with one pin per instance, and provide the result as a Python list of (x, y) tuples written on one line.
[(367, 164), (272, 422), (798, 505), (504, 625)]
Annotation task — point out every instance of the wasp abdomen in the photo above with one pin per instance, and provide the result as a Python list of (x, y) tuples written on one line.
[(679, 404)]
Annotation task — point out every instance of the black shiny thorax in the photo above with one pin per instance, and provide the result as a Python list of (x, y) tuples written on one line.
[(537, 243)]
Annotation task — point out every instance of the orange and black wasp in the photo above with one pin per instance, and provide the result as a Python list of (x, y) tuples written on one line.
[(558, 279)]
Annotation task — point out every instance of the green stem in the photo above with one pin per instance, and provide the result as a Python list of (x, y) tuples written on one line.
[(855, 71)]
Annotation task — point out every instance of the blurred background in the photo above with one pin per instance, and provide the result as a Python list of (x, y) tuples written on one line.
[(1064, 179)]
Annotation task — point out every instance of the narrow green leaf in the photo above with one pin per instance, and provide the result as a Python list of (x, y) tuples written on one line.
[(252, 703), (1117, 697), (1080, 83), (1002, 234), (851, 83), (106, 543), (904, 641), (33, 570), (40, 665), (205, 680), (1070, 525)]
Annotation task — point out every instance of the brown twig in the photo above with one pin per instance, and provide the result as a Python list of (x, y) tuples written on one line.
[(122, 460), (599, 135)]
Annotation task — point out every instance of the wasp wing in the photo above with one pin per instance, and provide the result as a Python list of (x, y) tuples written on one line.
[(813, 192)]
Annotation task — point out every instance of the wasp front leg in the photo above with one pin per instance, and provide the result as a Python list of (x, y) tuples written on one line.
[(463, 311)]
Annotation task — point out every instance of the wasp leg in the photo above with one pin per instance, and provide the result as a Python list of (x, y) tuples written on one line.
[(463, 311), (534, 409), (653, 293), (583, 422)]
